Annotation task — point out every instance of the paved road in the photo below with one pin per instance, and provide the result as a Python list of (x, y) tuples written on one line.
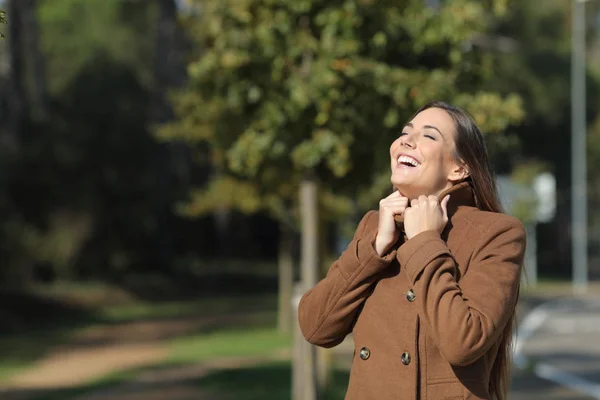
[(559, 348), (527, 386)]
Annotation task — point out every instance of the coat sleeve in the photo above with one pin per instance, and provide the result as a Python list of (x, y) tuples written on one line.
[(465, 319), (327, 312)]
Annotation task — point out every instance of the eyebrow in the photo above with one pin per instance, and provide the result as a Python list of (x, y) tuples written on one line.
[(409, 124)]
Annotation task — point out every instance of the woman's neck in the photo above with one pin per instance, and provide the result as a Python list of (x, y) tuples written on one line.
[(407, 192)]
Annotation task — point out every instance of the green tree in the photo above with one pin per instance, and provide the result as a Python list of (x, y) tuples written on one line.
[(283, 91)]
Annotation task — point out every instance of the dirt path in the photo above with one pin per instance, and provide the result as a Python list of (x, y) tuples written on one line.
[(176, 383), (73, 367)]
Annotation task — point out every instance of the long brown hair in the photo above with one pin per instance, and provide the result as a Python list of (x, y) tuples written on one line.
[(471, 151)]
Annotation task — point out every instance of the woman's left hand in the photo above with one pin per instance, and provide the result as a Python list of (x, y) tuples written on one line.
[(426, 214)]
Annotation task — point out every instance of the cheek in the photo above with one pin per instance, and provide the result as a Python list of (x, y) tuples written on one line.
[(432, 152), (448, 164), (448, 157), (394, 147)]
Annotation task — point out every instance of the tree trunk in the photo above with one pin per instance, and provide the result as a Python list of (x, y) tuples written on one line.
[(222, 217), (12, 116), (285, 264), (304, 366), (36, 65), (310, 233), (12, 92), (173, 160)]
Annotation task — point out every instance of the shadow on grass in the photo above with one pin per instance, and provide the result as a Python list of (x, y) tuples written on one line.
[(269, 381)]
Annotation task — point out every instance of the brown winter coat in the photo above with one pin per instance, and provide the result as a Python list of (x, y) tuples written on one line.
[(428, 316)]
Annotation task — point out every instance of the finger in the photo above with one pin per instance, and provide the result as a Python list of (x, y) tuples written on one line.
[(433, 200), (387, 203), (395, 194), (399, 200), (423, 199), (444, 205), (394, 208), (414, 203)]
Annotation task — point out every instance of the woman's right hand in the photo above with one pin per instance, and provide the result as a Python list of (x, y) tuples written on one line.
[(388, 232)]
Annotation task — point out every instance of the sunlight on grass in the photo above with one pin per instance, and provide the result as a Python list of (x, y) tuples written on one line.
[(11, 368), (548, 287), (230, 343)]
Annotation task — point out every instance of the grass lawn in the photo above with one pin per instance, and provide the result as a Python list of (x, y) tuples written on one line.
[(268, 381)]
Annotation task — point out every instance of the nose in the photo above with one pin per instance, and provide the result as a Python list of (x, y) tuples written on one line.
[(407, 141)]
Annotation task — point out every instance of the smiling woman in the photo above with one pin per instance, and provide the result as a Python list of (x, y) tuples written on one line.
[(429, 284)]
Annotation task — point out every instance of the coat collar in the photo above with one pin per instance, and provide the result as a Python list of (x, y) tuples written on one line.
[(461, 195)]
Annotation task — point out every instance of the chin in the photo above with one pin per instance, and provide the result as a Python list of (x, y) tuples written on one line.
[(406, 189), (404, 183)]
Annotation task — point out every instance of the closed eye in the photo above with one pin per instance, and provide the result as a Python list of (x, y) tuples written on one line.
[(402, 134), (430, 137)]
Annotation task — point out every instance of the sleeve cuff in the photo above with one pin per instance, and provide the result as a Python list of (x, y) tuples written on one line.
[(366, 249), (367, 258), (416, 253)]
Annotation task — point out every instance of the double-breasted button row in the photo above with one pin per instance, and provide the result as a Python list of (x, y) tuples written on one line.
[(365, 353), (411, 296)]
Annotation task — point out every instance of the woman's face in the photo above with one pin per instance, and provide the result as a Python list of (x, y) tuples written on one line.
[(421, 157)]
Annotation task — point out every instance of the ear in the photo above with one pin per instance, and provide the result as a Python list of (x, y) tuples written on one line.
[(458, 173)]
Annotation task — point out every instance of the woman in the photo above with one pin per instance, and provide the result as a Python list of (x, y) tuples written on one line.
[(429, 284)]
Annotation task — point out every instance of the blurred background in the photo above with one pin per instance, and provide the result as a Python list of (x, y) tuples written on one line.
[(173, 172)]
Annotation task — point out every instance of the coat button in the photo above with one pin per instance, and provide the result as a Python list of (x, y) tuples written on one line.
[(364, 353), (405, 358), (411, 296)]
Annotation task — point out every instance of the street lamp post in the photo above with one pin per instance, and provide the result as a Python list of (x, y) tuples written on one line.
[(578, 149)]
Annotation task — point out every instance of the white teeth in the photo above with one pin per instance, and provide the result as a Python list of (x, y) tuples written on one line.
[(408, 160)]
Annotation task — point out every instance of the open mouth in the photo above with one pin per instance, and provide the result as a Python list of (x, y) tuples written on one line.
[(408, 161)]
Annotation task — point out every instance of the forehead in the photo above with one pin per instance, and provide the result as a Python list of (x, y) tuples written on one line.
[(435, 117)]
